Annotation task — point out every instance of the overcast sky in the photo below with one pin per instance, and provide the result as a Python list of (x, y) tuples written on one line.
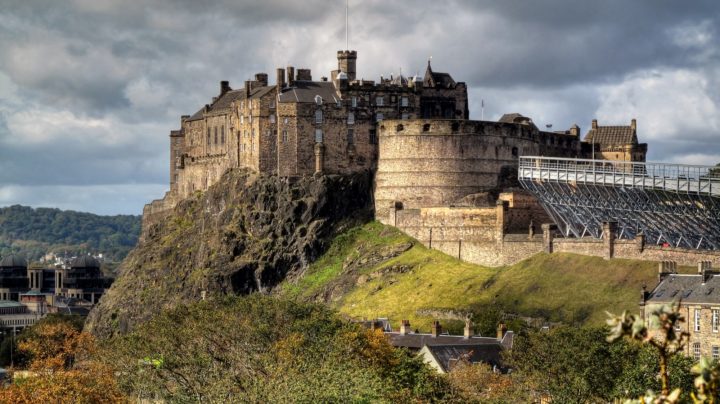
[(89, 89)]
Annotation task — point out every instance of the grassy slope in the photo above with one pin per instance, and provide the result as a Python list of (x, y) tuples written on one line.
[(558, 287)]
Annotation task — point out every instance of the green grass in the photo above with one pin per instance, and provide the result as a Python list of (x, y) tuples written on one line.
[(557, 287)]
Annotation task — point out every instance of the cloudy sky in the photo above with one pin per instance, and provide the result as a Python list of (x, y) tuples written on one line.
[(89, 89)]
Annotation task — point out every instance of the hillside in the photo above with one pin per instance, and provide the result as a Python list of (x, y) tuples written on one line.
[(35, 232), (245, 234), (377, 271)]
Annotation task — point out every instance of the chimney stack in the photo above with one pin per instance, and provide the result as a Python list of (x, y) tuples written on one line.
[(705, 270), (262, 79), (436, 328), (248, 88), (594, 123), (224, 87), (280, 79), (304, 74), (404, 327), (575, 130), (290, 76), (468, 329), (633, 124), (501, 330), (665, 268)]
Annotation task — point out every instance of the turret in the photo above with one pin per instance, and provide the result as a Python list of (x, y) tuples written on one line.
[(347, 63)]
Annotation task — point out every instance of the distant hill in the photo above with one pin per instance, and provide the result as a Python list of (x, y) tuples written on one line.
[(35, 232)]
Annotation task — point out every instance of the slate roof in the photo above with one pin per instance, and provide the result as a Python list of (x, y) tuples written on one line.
[(13, 261), (418, 340), (437, 79), (612, 135), (223, 103), (689, 288), (305, 91), (448, 355)]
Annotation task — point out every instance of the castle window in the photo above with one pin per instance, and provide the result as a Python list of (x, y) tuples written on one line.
[(242, 119), (284, 136), (372, 136), (426, 127), (379, 117), (514, 151), (222, 135), (351, 118), (696, 350), (697, 320), (715, 320), (404, 102), (318, 136), (272, 118), (318, 116), (350, 136), (393, 99), (250, 118), (716, 352), (379, 101), (353, 101), (286, 120), (272, 104), (318, 100), (208, 136)]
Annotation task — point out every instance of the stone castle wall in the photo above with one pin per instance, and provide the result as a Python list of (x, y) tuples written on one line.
[(433, 163)]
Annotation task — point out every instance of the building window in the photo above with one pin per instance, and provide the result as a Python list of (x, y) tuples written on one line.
[(272, 104), (379, 117), (716, 352), (350, 136), (318, 100), (318, 136), (696, 350), (284, 136), (216, 137), (318, 116), (351, 118), (405, 116), (222, 135), (373, 136), (697, 320), (404, 102), (208, 136), (715, 320), (286, 120), (242, 119), (379, 101), (353, 102), (272, 118)]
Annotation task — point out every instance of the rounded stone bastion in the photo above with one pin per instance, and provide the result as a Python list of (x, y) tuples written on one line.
[(433, 163)]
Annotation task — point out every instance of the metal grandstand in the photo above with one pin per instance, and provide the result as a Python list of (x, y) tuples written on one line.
[(668, 203)]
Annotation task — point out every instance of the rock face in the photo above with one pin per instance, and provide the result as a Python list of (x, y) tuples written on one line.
[(245, 234)]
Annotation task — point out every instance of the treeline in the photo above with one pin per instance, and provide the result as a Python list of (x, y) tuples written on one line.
[(35, 232)]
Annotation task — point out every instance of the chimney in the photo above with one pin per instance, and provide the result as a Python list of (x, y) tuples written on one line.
[(665, 268), (304, 74), (224, 87), (575, 130), (290, 76), (280, 79), (468, 329), (183, 118), (248, 88), (594, 123), (262, 79), (633, 124), (436, 328), (705, 270), (501, 330), (404, 327)]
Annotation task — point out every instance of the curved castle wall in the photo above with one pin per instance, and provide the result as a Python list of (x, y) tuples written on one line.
[(434, 163)]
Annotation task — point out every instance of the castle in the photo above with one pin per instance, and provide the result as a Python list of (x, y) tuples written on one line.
[(438, 174)]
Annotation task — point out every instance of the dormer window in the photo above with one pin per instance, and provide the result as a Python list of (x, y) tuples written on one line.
[(318, 100)]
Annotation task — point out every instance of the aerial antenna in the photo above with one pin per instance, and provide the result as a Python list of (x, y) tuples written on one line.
[(347, 25)]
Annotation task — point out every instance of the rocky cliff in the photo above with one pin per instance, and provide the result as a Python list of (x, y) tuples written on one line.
[(245, 234)]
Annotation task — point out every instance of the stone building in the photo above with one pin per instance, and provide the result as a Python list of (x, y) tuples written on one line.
[(82, 280), (614, 143), (300, 126), (699, 296)]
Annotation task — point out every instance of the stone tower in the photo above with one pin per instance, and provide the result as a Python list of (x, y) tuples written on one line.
[(347, 63)]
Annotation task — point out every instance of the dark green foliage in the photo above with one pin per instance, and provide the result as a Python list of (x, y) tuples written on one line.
[(262, 349), (577, 365), (34, 232)]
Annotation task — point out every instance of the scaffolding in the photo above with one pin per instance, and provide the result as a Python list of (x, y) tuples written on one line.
[(672, 204)]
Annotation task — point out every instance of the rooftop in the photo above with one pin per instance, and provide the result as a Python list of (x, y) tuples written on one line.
[(689, 288)]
